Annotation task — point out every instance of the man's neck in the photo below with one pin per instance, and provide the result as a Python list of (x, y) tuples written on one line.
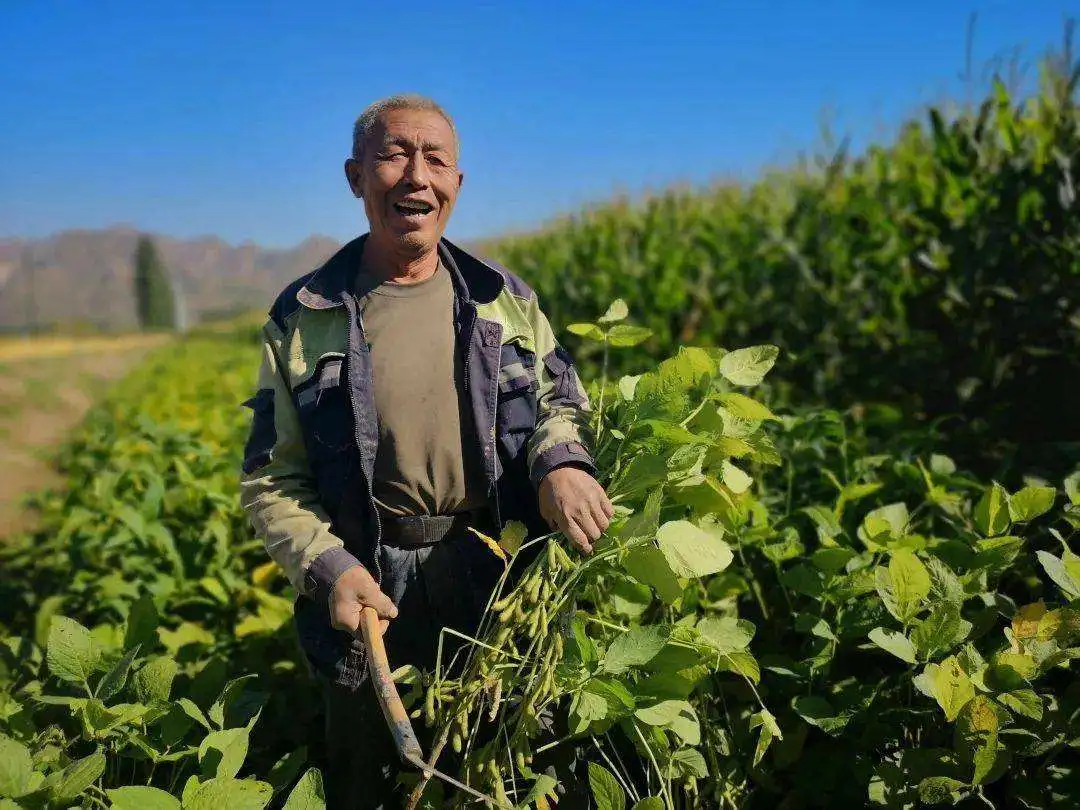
[(386, 266)]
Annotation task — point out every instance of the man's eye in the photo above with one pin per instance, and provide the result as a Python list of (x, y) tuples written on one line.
[(392, 155), (436, 160)]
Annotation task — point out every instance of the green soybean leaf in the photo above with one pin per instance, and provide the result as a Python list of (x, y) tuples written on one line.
[(650, 803), (942, 465), (142, 622), (748, 367), (735, 479), (16, 767), (691, 551), (113, 680), (992, 512), (78, 776), (940, 789), (187, 633), (235, 706), (690, 762), (587, 707), (1023, 701), (895, 643), (1057, 569), (629, 598), (941, 630), (741, 663), (616, 311), (817, 711), (832, 560), (770, 731), (635, 648), (543, 786), (976, 735), (49, 607), (1072, 487), (948, 684), (71, 653), (627, 385), (141, 797), (944, 584), (222, 753), (287, 768), (746, 407), (153, 681), (663, 712), (648, 565), (825, 522), (624, 335), (606, 791), (231, 793), (589, 331), (308, 793), (687, 727), (910, 581), (884, 523), (194, 712), (1030, 502), (726, 634)]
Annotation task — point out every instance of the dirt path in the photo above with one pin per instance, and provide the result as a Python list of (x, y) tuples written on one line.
[(46, 386)]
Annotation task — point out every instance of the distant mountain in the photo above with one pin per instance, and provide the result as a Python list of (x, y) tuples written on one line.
[(82, 279)]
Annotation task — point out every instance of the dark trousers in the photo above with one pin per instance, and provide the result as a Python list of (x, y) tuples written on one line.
[(445, 585)]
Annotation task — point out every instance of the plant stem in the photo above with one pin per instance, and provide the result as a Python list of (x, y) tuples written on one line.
[(656, 767)]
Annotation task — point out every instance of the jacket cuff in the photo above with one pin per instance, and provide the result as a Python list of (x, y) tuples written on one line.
[(324, 572), (561, 455)]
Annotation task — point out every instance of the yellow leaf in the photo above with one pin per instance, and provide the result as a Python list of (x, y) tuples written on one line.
[(266, 573), (1025, 623), (493, 547)]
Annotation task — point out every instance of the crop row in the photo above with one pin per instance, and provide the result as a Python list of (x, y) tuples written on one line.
[(937, 276), (776, 618)]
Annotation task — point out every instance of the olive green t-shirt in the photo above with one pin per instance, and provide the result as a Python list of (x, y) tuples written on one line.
[(425, 425)]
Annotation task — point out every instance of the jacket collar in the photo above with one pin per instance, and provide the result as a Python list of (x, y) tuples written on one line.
[(325, 287)]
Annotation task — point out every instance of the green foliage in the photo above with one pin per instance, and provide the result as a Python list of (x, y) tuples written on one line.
[(848, 629), (936, 276), (146, 608), (154, 293)]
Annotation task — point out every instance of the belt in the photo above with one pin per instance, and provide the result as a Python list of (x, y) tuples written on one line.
[(418, 531)]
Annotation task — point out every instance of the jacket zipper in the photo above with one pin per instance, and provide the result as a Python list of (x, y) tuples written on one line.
[(357, 328)]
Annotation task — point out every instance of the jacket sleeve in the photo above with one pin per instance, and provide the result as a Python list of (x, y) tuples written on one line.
[(563, 434), (277, 489)]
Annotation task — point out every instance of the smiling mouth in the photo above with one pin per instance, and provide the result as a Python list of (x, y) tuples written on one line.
[(413, 209)]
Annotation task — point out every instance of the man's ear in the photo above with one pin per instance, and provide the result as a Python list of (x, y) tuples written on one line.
[(352, 176)]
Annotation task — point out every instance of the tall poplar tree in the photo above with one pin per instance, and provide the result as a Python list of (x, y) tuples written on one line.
[(153, 290)]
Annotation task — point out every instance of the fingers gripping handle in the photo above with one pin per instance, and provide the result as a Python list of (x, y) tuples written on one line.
[(397, 719)]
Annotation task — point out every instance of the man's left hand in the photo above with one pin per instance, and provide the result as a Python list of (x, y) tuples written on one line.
[(573, 502)]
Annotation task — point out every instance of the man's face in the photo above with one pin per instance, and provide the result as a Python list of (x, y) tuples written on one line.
[(409, 180)]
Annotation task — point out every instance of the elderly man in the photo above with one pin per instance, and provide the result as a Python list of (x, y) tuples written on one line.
[(408, 390)]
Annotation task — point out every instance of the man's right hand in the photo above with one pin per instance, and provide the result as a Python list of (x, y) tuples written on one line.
[(354, 590)]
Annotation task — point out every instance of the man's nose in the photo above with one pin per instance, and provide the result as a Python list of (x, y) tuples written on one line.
[(416, 170)]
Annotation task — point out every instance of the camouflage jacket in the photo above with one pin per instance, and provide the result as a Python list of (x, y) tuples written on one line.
[(309, 458)]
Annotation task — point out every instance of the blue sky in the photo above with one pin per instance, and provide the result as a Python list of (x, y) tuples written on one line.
[(233, 118)]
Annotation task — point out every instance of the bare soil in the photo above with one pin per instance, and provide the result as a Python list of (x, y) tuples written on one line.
[(45, 389)]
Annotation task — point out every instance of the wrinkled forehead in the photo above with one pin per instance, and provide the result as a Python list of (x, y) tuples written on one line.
[(420, 129)]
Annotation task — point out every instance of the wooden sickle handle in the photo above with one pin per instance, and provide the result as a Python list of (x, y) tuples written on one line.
[(397, 719)]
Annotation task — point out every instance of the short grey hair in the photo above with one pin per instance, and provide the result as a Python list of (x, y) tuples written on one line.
[(403, 101)]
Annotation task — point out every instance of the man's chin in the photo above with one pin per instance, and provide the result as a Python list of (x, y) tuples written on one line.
[(418, 243)]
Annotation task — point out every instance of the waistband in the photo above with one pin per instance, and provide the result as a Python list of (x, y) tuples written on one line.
[(418, 531)]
